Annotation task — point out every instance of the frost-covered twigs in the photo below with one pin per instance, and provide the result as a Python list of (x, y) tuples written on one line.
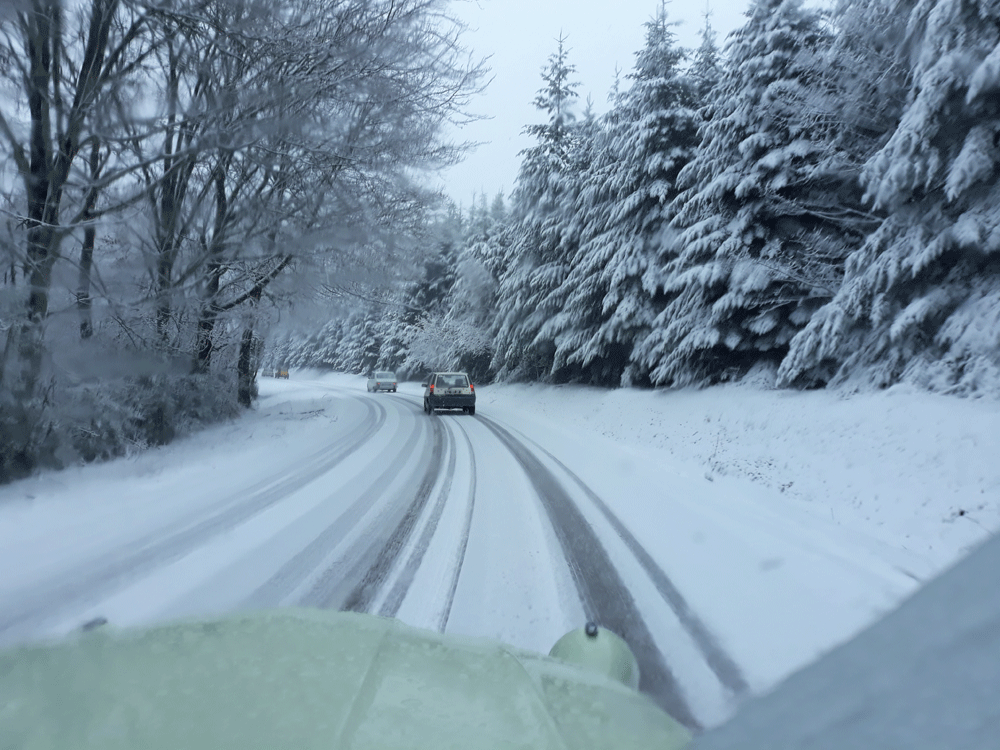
[(208, 156)]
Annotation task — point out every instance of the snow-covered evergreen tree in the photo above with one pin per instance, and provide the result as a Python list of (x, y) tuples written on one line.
[(706, 64), (456, 334), (358, 350), (498, 210), (555, 99), (650, 135), (767, 215), (921, 299), (538, 259), (429, 295), (574, 305)]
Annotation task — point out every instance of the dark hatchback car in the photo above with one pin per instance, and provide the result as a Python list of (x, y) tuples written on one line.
[(449, 390)]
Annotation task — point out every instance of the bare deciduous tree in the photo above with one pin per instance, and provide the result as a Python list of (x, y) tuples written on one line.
[(215, 145)]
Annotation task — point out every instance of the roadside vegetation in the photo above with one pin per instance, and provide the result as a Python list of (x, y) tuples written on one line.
[(175, 173), (194, 190), (815, 202)]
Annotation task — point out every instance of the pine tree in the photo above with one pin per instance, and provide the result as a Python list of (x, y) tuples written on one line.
[(921, 299), (706, 67), (498, 209), (555, 99), (538, 259), (650, 135), (765, 219), (358, 349), (430, 294)]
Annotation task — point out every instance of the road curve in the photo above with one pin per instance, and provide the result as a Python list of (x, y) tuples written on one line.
[(450, 522)]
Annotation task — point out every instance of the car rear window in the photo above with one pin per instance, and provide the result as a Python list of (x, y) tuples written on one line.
[(452, 381), (385, 376)]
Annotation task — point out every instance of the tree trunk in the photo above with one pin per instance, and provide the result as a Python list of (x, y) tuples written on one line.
[(246, 366), (170, 186), (246, 372), (210, 309), (31, 337), (49, 160), (164, 276), (83, 299), (206, 323)]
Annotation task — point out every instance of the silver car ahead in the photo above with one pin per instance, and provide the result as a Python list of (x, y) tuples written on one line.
[(382, 381)]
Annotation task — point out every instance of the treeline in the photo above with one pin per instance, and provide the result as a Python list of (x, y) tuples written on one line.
[(816, 202), (173, 171)]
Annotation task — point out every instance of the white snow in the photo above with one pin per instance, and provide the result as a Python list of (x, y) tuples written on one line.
[(789, 521), (895, 466)]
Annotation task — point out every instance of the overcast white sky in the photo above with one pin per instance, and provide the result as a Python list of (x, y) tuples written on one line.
[(519, 35)]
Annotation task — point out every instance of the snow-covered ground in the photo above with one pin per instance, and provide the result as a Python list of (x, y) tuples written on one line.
[(913, 470), (793, 519), (786, 521)]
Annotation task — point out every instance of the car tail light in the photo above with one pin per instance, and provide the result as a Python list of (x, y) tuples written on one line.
[(431, 386), (472, 387)]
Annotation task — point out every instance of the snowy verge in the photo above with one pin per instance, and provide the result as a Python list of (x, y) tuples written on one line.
[(914, 470), (56, 517)]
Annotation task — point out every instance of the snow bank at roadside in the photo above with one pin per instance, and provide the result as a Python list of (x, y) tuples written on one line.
[(914, 470), (102, 505)]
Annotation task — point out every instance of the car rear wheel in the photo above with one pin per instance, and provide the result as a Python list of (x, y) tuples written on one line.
[(472, 411)]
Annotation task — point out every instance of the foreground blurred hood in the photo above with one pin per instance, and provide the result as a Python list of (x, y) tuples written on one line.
[(311, 679), (925, 677)]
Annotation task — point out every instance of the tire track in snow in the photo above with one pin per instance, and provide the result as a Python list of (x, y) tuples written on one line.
[(361, 597), (605, 597), (399, 589), (369, 563), (719, 661), (464, 542), (165, 545), (280, 588)]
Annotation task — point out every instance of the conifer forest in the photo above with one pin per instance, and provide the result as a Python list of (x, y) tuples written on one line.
[(814, 200), (197, 192)]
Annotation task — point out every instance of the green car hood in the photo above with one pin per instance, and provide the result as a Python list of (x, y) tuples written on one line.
[(311, 679)]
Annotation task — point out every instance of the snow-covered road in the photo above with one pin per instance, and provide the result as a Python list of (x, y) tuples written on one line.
[(506, 525)]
